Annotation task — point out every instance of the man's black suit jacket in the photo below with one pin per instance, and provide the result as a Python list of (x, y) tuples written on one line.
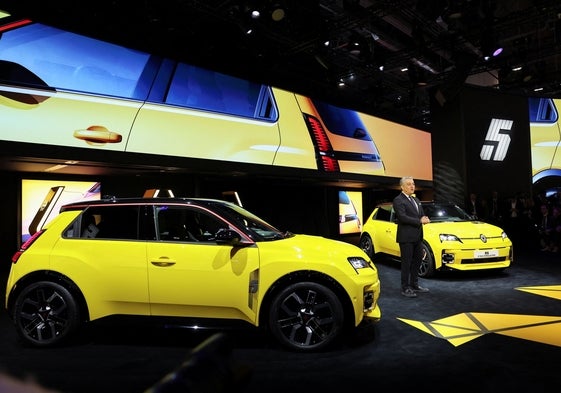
[(409, 227)]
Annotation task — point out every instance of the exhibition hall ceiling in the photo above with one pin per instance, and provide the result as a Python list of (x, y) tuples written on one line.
[(386, 58)]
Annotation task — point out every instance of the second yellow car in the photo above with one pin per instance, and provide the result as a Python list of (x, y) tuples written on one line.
[(453, 240)]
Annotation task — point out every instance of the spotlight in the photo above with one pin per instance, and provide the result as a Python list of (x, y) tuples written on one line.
[(497, 51), (277, 12), (489, 45)]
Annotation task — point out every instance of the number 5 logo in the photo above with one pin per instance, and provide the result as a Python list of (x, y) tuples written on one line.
[(497, 140)]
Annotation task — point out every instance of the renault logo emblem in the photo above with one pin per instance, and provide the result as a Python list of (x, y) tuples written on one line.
[(483, 238)]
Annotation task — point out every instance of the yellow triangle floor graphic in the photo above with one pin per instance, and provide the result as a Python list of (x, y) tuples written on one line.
[(461, 328), (553, 291)]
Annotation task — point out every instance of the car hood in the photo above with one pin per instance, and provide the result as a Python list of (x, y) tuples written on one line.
[(309, 247), (464, 229)]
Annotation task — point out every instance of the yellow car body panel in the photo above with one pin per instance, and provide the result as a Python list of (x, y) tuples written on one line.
[(64, 115), (545, 141), (296, 148), (183, 282), (184, 132)]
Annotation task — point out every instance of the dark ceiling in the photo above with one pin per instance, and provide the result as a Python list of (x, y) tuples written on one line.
[(442, 44)]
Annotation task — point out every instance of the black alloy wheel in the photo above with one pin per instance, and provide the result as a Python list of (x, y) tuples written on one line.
[(306, 316), (45, 314), (427, 267), (366, 245)]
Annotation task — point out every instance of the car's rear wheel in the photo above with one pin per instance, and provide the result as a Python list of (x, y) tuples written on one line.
[(306, 316), (45, 314), (427, 267), (366, 245)]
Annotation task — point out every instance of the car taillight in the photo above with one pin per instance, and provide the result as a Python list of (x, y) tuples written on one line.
[(326, 156), (26, 245)]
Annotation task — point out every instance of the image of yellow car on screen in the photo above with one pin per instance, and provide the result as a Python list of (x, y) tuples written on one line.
[(65, 89), (545, 138)]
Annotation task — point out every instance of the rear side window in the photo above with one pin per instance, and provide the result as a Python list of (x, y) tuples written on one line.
[(107, 222), (542, 110), (383, 214), (341, 121), (69, 61), (199, 88)]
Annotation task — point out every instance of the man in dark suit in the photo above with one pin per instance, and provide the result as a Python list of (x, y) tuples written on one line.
[(410, 221)]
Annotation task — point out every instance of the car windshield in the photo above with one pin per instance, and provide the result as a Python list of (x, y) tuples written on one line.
[(252, 225), (445, 212)]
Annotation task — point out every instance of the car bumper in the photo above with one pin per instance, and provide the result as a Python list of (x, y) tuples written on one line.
[(476, 259), (371, 309)]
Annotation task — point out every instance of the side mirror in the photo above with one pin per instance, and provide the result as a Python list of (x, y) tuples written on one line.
[(228, 236)]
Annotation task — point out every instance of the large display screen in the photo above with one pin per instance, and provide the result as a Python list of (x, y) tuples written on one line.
[(350, 212), (41, 200), (69, 90), (545, 138)]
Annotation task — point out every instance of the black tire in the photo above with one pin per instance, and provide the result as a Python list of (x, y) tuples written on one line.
[(45, 314), (366, 245), (306, 316), (427, 268)]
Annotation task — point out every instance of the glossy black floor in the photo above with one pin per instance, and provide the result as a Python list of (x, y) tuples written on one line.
[(392, 356)]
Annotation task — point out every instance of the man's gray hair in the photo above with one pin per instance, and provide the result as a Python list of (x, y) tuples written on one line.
[(404, 179)]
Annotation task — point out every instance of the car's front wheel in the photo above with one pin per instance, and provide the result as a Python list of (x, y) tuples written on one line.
[(306, 316), (45, 314), (427, 267), (366, 245)]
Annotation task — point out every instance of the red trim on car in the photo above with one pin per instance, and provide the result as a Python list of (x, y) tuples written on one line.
[(15, 24), (26, 245)]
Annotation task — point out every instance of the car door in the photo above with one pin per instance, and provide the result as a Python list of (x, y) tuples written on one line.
[(386, 230), (106, 260), (198, 113), (64, 89), (190, 275)]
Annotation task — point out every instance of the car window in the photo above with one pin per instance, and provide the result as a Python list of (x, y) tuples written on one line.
[(199, 88), (181, 223), (341, 121), (383, 213), (64, 60), (106, 222), (445, 213), (542, 110)]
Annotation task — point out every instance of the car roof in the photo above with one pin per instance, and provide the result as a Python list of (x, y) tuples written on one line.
[(144, 201)]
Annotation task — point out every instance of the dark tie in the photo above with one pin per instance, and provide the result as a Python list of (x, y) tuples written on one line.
[(414, 204)]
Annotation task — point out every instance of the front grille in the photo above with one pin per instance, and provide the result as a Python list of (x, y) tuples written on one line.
[(483, 260)]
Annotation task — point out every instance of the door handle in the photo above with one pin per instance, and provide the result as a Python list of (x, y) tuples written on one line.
[(97, 135), (163, 263)]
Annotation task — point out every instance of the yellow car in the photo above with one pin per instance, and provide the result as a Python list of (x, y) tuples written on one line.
[(64, 89), (453, 240), (202, 260), (349, 221), (545, 138)]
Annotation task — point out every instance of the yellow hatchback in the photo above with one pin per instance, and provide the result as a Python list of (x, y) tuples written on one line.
[(199, 259), (453, 240)]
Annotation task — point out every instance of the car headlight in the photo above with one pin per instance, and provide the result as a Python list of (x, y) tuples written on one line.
[(358, 262), (504, 235), (445, 237)]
